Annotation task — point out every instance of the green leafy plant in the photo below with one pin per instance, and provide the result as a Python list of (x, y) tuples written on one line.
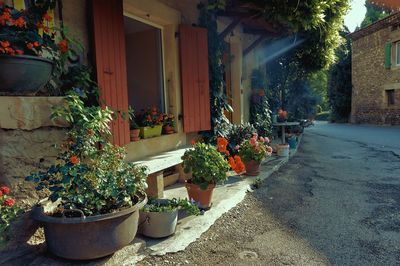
[(90, 173), (132, 118), (170, 205), (206, 163), (169, 120), (236, 134), (150, 117), (8, 212), (255, 149)]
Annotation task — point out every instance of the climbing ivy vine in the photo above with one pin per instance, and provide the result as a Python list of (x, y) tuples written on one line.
[(216, 50)]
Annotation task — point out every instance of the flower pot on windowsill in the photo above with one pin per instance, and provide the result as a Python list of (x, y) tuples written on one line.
[(252, 168), (134, 134), (149, 132), (23, 74), (168, 130), (203, 198)]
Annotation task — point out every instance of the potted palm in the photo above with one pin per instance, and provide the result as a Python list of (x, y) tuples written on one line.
[(29, 53), (253, 151), (208, 167), (133, 126), (159, 217), (92, 189)]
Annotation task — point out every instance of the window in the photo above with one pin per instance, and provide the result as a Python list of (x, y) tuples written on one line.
[(398, 53), (390, 97), (144, 63)]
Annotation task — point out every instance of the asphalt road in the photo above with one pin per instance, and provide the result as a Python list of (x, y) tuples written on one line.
[(341, 193)]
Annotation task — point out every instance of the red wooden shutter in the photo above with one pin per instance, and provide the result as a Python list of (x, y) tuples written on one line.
[(109, 41), (194, 79)]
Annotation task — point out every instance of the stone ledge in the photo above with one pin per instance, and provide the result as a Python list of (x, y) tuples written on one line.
[(28, 113)]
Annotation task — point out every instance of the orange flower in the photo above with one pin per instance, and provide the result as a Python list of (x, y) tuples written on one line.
[(36, 44), (46, 29), (63, 46), (19, 51), (2, 50), (221, 144), (74, 160), (237, 158), (227, 153), (47, 17), (193, 142), (239, 167), (231, 162), (10, 50), (5, 44), (29, 45), (19, 22)]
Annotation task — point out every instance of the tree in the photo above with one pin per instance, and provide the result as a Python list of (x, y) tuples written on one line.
[(373, 14), (339, 82)]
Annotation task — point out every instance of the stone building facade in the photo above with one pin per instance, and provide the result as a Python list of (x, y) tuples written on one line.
[(376, 73)]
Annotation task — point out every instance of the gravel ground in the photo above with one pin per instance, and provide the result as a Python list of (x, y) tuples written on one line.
[(247, 235)]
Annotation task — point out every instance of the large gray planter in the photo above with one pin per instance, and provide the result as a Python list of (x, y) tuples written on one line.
[(23, 74), (158, 224), (90, 237)]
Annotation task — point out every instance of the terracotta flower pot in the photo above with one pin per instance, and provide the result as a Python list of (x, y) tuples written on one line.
[(252, 168), (134, 133), (201, 197), (168, 130)]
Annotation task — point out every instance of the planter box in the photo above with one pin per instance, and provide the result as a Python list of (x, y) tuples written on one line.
[(149, 132)]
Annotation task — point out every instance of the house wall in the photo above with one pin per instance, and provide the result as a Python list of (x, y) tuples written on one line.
[(370, 79)]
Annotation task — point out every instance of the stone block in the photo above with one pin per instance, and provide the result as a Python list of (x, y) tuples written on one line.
[(155, 184)]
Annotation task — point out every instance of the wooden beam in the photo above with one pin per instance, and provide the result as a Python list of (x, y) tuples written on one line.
[(230, 28), (253, 45)]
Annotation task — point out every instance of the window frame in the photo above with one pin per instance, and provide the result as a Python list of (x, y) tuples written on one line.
[(391, 97), (397, 48)]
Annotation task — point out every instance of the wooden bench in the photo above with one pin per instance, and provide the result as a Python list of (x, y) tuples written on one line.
[(157, 164)]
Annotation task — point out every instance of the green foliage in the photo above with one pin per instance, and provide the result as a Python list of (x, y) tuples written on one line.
[(207, 165), (216, 50), (90, 173), (373, 14), (323, 116), (339, 82), (255, 149), (149, 118), (318, 82), (170, 205), (239, 133), (316, 22), (8, 213), (301, 100), (260, 113)]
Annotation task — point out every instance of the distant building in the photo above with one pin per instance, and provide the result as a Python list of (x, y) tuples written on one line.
[(376, 72)]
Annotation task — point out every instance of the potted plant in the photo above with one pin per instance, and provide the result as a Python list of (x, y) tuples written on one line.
[(168, 124), (92, 188), (282, 115), (253, 152), (159, 217), (208, 167), (133, 126), (8, 212), (150, 122), (29, 53)]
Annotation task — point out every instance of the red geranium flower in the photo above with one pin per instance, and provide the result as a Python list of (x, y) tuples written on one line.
[(5, 44), (9, 202), (63, 46), (29, 45), (74, 160), (1, 193), (5, 190)]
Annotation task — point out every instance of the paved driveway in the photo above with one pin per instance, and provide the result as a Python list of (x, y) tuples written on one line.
[(342, 193)]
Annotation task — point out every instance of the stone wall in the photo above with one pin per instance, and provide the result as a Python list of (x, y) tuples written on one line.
[(371, 79)]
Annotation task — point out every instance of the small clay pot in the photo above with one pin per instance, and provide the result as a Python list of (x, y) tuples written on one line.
[(202, 197), (134, 133), (252, 168), (168, 130)]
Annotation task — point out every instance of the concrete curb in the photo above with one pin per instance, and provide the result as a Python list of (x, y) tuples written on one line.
[(225, 198)]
